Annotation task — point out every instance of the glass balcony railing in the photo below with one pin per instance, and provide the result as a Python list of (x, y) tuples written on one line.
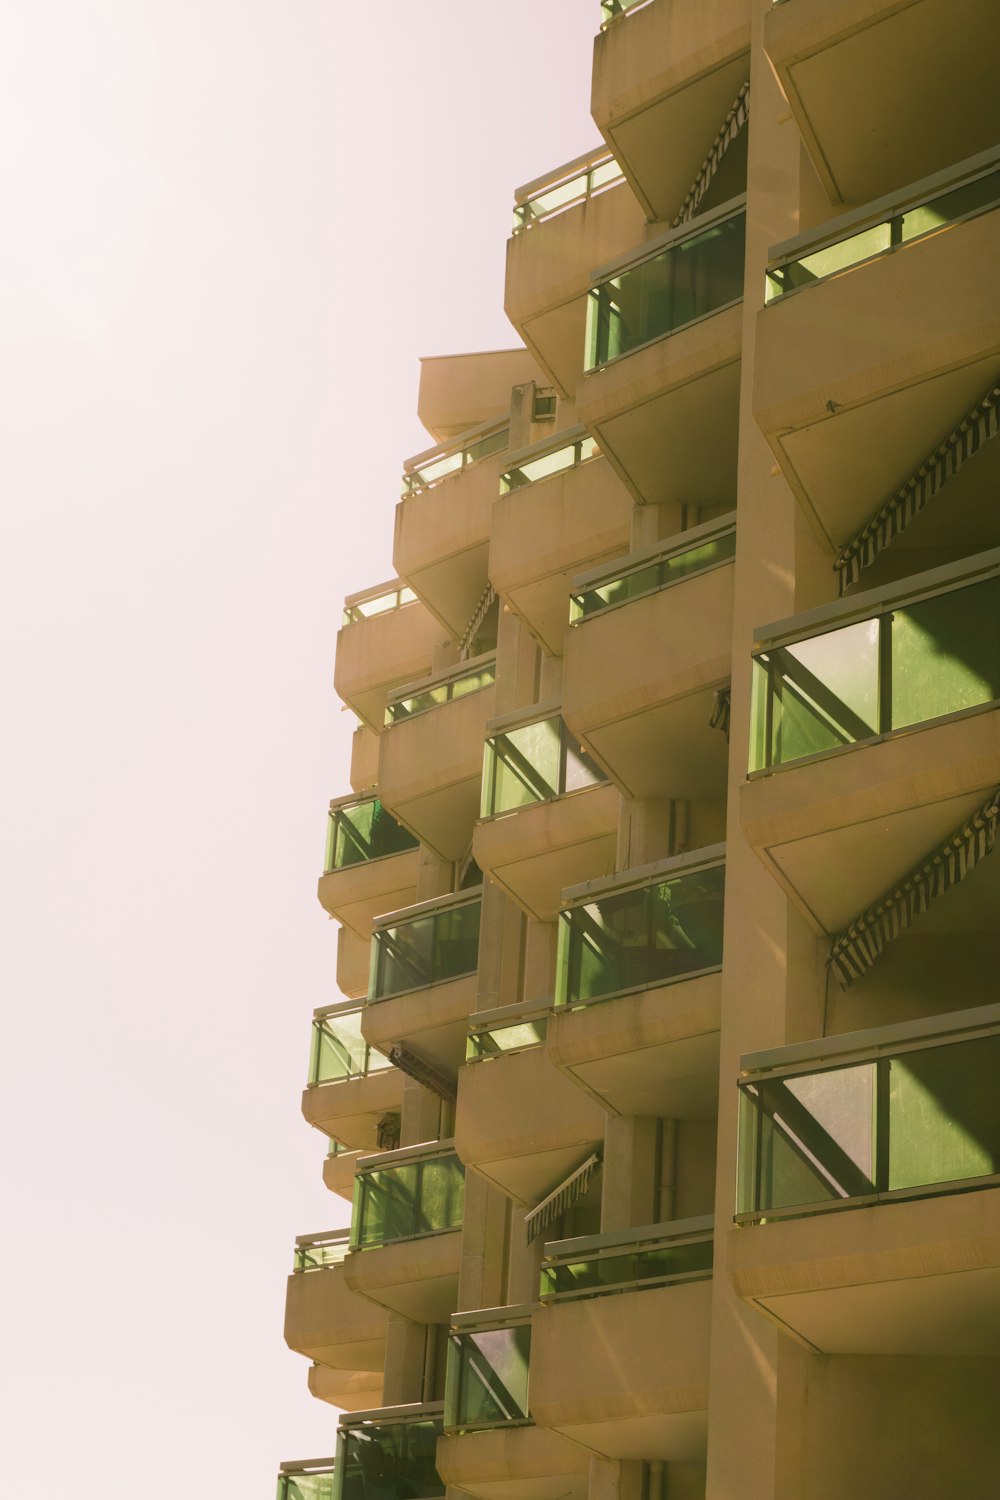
[(408, 1198), (307, 1481), (690, 278), (534, 763), (362, 830), (389, 1456), (458, 682), (508, 1029), (910, 1119), (553, 460), (428, 473), (630, 1261), (487, 1373), (611, 9), (665, 929), (429, 947), (317, 1252), (338, 1049), (575, 183), (675, 561), (381, 600), (975, 195), (903, 665)]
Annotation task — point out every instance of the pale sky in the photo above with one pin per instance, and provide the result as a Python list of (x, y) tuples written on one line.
[(230, 228)]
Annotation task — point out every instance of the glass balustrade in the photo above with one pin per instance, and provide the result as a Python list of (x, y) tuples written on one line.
[(625, 582), (407, 1200), (667, 929), (426, 475), (508, 1030), (366, 606), (612, 8), (428, 948), (565, 191), (487, 1376), (545, 465), (390, 1460), (442, 690), (338, 1049), (907, 664), (960, 202), (909, 1121), (534, 763), (316, 1252), (688, 280), (307, 1481), (639, 1259), (362, 831)]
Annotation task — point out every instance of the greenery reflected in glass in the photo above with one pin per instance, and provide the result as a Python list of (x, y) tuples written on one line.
[(302, 1484), (364, 831), (422, 950), (404, 1201), (487, 1377), (533, 764), (388, 1461), (656, 1262)]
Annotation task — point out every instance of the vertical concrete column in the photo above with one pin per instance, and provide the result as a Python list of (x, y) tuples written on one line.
[(434, 875), (631, 1171), (524, 1261), (549, 677), (444, 655), (405, 1359), (482, 1277), (651, 523), (501, 950), (522, 404), (615, 1479), (540, 943), (420, 1115), (644, 829), (517, 665)]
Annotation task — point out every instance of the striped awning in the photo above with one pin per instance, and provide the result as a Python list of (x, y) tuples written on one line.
[(479, 614), (721, 710), (415, 1067), (561, 1198), (731, 127), (975, 429), (856, 949)]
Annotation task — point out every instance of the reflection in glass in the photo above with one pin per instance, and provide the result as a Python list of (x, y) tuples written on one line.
[(626, 1268), (441, 692), (404, 1201), (364, 831), (533, 764), (651, 576), (388, 1461), (487, 1379), (339, 1050), (427, 949)]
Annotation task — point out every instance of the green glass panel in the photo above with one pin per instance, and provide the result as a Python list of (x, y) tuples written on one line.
[(442, 1195), (366, 831), (944, 1121), (492, 1375), (654, 575), (389, 1462), (339, 1050), (305, 1486), (946, 653), (501, 1039), (608, 1273), (817, 1137), (824, 691), (956, 204), (393, 1203)]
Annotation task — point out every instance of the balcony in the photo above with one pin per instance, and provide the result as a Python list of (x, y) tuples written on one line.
[(487, 1376), (858, 77), (351, 1085), (306, 1479), (644, 715), (561, 509), (860, 374), (371, 863), (869, 1205), (638, 998), (665, 76), (353, 963), (338, 1171), (519, 1122), (432, 754), (423, 979), (874, 735), (347, 1390), (565, 223), (442, 536), (459, 392), (549, 817), (406, 1230), (636, 1396), (324, 1319), (664, 335), (387, 637), (389, 1454)]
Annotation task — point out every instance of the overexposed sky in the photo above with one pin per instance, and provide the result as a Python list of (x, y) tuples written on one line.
[(230, 228)]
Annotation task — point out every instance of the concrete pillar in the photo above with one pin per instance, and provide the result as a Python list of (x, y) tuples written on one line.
[(549, 677), (482, 1277), (517, 665), (522, 403), (631, 1172), (643, 831), (444, 655), (405, 1359), (434, 875), (524, 1261), (615, 1479), (421, 1115), (540, 942), (501, 950), (652, 523)]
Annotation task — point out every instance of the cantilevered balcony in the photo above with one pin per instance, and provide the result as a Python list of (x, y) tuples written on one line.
[(519, 1121), (459, 392), (562, 509), (443, 523), (389, 1454), (869, 1188), (347, 1390), (387, 637), (880, 336), (423, 979), (665, 76), (638, 999), (338, 1170), (565, 223), (371, 863), (650, 645), (662, 361), (875, 735), (324, 1319), (306, 1479), (549, 816), (431, 754), (351, 1085), (863, 77), (619, 1349), (406, 1230)]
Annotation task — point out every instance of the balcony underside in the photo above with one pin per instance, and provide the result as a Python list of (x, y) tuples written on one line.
[(349, 1390), (416, 1278), (351, 1109), (358, 893), (327, 1321), (667, 415), (432, 1022), (839, 832), (520, 1463), (430, 770), (862, 79), (918, 1278), (462, 391), (653, 1052), (534, 852), (901, 369)]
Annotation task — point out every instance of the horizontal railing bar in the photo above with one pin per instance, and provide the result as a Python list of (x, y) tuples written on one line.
[(671, 868), (595, 157), (879, 1040), (675, 546), (701, 1227)]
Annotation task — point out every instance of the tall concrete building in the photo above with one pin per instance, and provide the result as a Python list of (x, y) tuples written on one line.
[(665, 1086)]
